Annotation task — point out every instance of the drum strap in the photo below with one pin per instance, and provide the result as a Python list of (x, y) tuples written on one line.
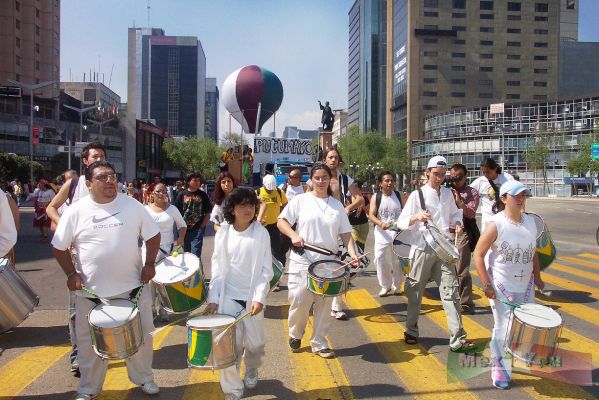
[(94, 300), (421, 196), (133, 293), (242, 303)]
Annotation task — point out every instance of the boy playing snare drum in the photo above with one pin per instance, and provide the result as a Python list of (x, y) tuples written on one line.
[(241, 273)]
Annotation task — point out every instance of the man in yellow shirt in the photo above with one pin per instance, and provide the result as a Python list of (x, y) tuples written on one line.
[(272, 201)]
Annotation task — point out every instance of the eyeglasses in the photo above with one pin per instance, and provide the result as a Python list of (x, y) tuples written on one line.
[(106, 177)]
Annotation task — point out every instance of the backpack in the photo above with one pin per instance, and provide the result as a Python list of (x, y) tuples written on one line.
[(379, 197)]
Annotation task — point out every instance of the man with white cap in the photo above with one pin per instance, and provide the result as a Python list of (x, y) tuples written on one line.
[(272, 201), (435, 204)]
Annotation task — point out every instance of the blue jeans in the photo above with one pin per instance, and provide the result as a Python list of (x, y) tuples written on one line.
[(194, 239)]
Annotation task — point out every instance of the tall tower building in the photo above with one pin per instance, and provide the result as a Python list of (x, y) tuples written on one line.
[(30, 50), (211, 119)]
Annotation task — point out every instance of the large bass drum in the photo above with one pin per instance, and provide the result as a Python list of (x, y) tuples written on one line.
[(17, 299)]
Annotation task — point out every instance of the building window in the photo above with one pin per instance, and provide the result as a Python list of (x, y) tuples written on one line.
[(55, 51), (458, 81), (430, 66), (459, 41), (486, 43), (430, 80), (488, 29), (431, 27), (511, 17), (513, 6), (485, 95), (458, 55), (513, 70), (485, 82), (540, 84), (37, 30), (430, 54), (513, 30), (18, 60), (486, 5), (458, 68), (541, 19), (18, 42), (513, 83), (541, 31), (431, 3), (17, 24), (430, 40), (487, 16), (513, 44), (486, 69), (541, 7), (37, 65), (459, 28), (458, 94), (458, 15), (17, 77), (540, 70), (512, 96), (461, 4), (540, 58), (486, 56), (431, 14), (540, 97), (37, 47), (37, 12), (17, 7), (429, 94), (513, 56), (429, 107), (540, 44)]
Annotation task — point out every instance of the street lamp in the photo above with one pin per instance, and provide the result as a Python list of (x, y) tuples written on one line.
[(32, 88), (80, 111)]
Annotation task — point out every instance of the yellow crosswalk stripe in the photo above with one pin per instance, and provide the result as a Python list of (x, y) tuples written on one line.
[(313, 376), (579, 261), (423, 375), (569, 284), (19, 373), (589, 255), (575, 271), (534, 386)]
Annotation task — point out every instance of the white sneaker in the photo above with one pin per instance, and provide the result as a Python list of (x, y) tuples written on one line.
[(395, 289), (231, 396), (150, 388), (250, 379), (83, 396), (340, 315), (384, 292)]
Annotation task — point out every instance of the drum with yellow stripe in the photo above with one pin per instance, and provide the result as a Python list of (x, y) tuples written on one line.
[(545, 247), (203, 352), (326, 278), (180, 283)]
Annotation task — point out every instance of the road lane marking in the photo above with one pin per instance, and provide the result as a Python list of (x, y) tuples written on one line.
[(575, 271), (579, 262), (421, 373), (589, 255), (535, 386), (19, 373), (569, 284)]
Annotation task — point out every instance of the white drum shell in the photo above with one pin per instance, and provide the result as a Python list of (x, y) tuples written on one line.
[(446, 251), (17, 299)]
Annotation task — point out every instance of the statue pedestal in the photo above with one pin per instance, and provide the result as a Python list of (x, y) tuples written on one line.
[(325, 139)]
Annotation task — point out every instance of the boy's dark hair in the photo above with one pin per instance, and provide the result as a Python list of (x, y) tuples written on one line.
[(491, 164), (382, 175), (193, 175), (236, 197), (94, 145), (461, 167), (89, 172)]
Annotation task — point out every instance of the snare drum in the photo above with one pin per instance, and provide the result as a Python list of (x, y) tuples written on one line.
[(534, 332), (441, 245), (180, 283), (277, 269), (402, 252), (202, 351), (545, 247), (325, 281), (116, 331), (17, 299)]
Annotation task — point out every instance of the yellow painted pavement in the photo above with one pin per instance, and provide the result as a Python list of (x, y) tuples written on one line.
[(580, 262), (575, 271), (589, 255)]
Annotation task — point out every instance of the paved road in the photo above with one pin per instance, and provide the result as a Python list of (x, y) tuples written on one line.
[(372, 359)]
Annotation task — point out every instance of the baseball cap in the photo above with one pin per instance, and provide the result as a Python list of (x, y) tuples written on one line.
[(269, 182), (512, 187), (437, 162)]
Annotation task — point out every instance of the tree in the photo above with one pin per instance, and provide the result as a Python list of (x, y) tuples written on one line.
[(583, 164), (194, 155), (14, 166), (233, 140), (536, 155)]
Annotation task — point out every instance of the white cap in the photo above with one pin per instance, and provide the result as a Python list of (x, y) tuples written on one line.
[(269, 182), (437, 162)]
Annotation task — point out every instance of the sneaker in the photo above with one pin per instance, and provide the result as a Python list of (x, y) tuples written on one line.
[(468, 310), (384, 292), (396, 290), (503, 385), (340, 315), (232, 396), (250, 379), (295, 344), (325, 353), (84, 396), (277, 288), (150, 388), (464, 346)]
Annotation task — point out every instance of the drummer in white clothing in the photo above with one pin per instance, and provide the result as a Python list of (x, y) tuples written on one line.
[(508, 267), (225, 183), (488, 186), (440, 209)]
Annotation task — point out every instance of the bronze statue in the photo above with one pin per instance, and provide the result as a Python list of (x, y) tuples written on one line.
[(327, 118)]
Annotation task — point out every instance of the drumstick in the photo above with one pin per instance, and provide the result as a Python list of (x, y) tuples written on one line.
[(349, 262), (232, 324), (102, 299), (320, 250), (456, 238)]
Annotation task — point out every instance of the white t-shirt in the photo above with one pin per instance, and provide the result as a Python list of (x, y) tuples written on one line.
[(237, 283), (292, 191), (45, 196), (388, 213), (165, 221), (216, 216), (8, 231), (105, 237), (487, 194), (510, 257), (320, 221)]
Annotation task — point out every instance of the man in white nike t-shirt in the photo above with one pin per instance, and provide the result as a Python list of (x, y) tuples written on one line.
[(104, 228)]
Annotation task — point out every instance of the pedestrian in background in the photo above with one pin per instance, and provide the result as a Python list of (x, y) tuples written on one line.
[(194, 205)]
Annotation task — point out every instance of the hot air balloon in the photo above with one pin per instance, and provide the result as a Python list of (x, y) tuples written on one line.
[(252, 95)]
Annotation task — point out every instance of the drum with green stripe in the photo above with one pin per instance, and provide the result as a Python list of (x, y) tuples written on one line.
[(277, 269), (202, 350), (545, 247), (180, 283), (326, 279)]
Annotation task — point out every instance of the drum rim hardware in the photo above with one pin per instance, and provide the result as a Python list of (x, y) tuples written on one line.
[(344, 278)]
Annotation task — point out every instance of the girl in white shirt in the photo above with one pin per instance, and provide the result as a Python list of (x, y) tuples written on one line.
[(511, 269), (321, 221), (241, 274), (225, 183), (488, 186), (42, 196)]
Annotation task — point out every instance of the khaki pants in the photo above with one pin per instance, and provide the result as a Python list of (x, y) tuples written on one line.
[(464, 276), (425, 265)]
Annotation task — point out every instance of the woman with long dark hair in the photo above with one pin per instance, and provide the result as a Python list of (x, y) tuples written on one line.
[(224, 185), (488, 185)]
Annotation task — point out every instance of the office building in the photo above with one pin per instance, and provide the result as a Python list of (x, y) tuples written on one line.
[(211, 118), (339, 125), (93, 93), (578, 69)]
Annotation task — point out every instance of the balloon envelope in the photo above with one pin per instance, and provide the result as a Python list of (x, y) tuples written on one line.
[(248, 90)]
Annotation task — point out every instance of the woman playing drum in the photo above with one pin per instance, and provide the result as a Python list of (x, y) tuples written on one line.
[(225, 183), (510, 270), (321, 220)]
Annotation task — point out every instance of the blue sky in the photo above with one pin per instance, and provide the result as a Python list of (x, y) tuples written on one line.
[(304, 42)]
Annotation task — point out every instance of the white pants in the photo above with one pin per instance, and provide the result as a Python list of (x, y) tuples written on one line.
[(501, 370), (93, 368), (388, 270), (300, 301), (337, 304), (250, 337)]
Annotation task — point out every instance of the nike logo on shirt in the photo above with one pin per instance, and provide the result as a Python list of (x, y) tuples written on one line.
[(96, 220)]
